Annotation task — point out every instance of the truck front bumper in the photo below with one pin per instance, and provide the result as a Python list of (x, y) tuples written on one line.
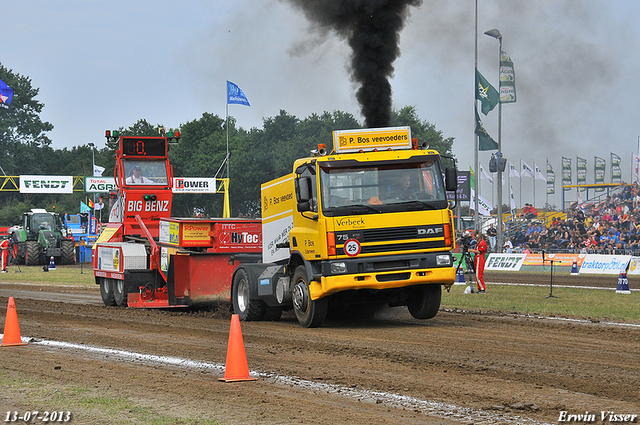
[(383, 273)]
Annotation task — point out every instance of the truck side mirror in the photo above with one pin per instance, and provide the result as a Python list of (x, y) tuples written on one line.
[(451, 179), (303, 193)]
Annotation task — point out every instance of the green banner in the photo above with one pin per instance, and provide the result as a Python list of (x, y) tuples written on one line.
[(599, 169), (507, 79)]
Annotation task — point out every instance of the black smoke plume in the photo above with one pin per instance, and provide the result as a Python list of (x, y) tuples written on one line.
[(372, 29)]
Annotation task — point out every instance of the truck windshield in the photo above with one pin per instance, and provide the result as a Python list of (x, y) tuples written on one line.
[(382, 188), (145, 172)]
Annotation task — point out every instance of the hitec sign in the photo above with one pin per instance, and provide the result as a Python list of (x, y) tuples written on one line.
[(46, 184)]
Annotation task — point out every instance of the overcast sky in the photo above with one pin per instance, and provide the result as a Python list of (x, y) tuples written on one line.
[(103, 65)]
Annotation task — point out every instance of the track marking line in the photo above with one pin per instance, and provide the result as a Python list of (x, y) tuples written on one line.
[(428, 407)]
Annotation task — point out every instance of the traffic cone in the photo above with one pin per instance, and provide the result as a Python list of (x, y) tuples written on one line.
[(574, 269), (11, 328), (52, 264), (236, 368), (623, 284)]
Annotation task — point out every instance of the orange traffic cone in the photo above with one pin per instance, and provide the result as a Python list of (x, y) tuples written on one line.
[(236, 368), (11, 328)]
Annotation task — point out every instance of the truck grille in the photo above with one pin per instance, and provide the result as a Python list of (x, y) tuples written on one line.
[(381, 240)]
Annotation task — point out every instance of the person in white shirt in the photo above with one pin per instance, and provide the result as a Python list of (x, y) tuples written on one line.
[(136, 177), (508, 246)]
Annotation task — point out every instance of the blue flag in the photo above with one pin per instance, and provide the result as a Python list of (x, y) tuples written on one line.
[(235, 95), (6, 95), (84, 208)]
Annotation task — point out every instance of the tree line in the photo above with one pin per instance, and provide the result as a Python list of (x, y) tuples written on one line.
[(256, 155)]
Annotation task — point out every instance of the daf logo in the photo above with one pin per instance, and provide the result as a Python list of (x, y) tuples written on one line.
[(430, 231)]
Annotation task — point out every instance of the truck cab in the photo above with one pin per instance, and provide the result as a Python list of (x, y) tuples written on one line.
[(367, 224)]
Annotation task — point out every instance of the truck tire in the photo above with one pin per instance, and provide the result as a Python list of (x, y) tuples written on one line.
[(106, 291), (246, 308), (120, 295), (32, 255), (424, 301), (66, 248), (310, 313)]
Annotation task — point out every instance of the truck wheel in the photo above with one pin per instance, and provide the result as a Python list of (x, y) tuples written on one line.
[(66, 256), (119, 293), (310, 313), (106, 291), (32, 255), (246, 308), (424, 301)]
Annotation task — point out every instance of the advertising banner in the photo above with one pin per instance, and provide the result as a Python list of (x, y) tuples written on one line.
[(566, 172), (562, 263), (194, 185), (99, 184), (46, 184), (551, 180), (616, 171), (464, 188), (505, 262), (533, 262), (604, 264), (345, 141), (581, 171), (599, 169), (634, 266)]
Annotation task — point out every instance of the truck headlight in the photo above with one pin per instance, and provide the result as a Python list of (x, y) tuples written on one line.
[(338, 267), (443, 260)]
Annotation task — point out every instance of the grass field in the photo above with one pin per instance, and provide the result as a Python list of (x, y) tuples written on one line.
[(594, 304), (75, 275)]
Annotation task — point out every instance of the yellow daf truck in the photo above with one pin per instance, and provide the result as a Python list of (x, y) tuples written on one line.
[(362, 225)]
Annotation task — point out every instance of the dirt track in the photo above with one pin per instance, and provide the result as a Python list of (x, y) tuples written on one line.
[(455, 368)]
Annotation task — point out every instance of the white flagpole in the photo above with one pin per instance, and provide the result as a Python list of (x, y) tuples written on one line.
[(227, 157)]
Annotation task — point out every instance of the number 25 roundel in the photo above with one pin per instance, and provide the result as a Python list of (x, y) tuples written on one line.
[(352, 247)]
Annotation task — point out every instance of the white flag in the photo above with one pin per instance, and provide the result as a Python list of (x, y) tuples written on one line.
[(525, 170), (484, 206), (512, 200), (538, 173), (97, 170), (486, 176), (513, 170)]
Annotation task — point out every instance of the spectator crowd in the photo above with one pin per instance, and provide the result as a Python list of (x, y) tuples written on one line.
[(610, 227)]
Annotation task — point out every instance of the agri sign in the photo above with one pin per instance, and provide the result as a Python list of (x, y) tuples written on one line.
[(99, 184)]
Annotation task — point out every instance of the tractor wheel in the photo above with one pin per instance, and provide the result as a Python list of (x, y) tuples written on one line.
[(106, 291), (246, 308), (67, 247), (119, 293), (32, 255), (424, 301), (310, 313)]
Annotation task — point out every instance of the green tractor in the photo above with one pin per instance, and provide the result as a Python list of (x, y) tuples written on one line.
[(40, 237)]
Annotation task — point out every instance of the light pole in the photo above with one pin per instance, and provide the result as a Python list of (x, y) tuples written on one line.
[(496, 34)]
